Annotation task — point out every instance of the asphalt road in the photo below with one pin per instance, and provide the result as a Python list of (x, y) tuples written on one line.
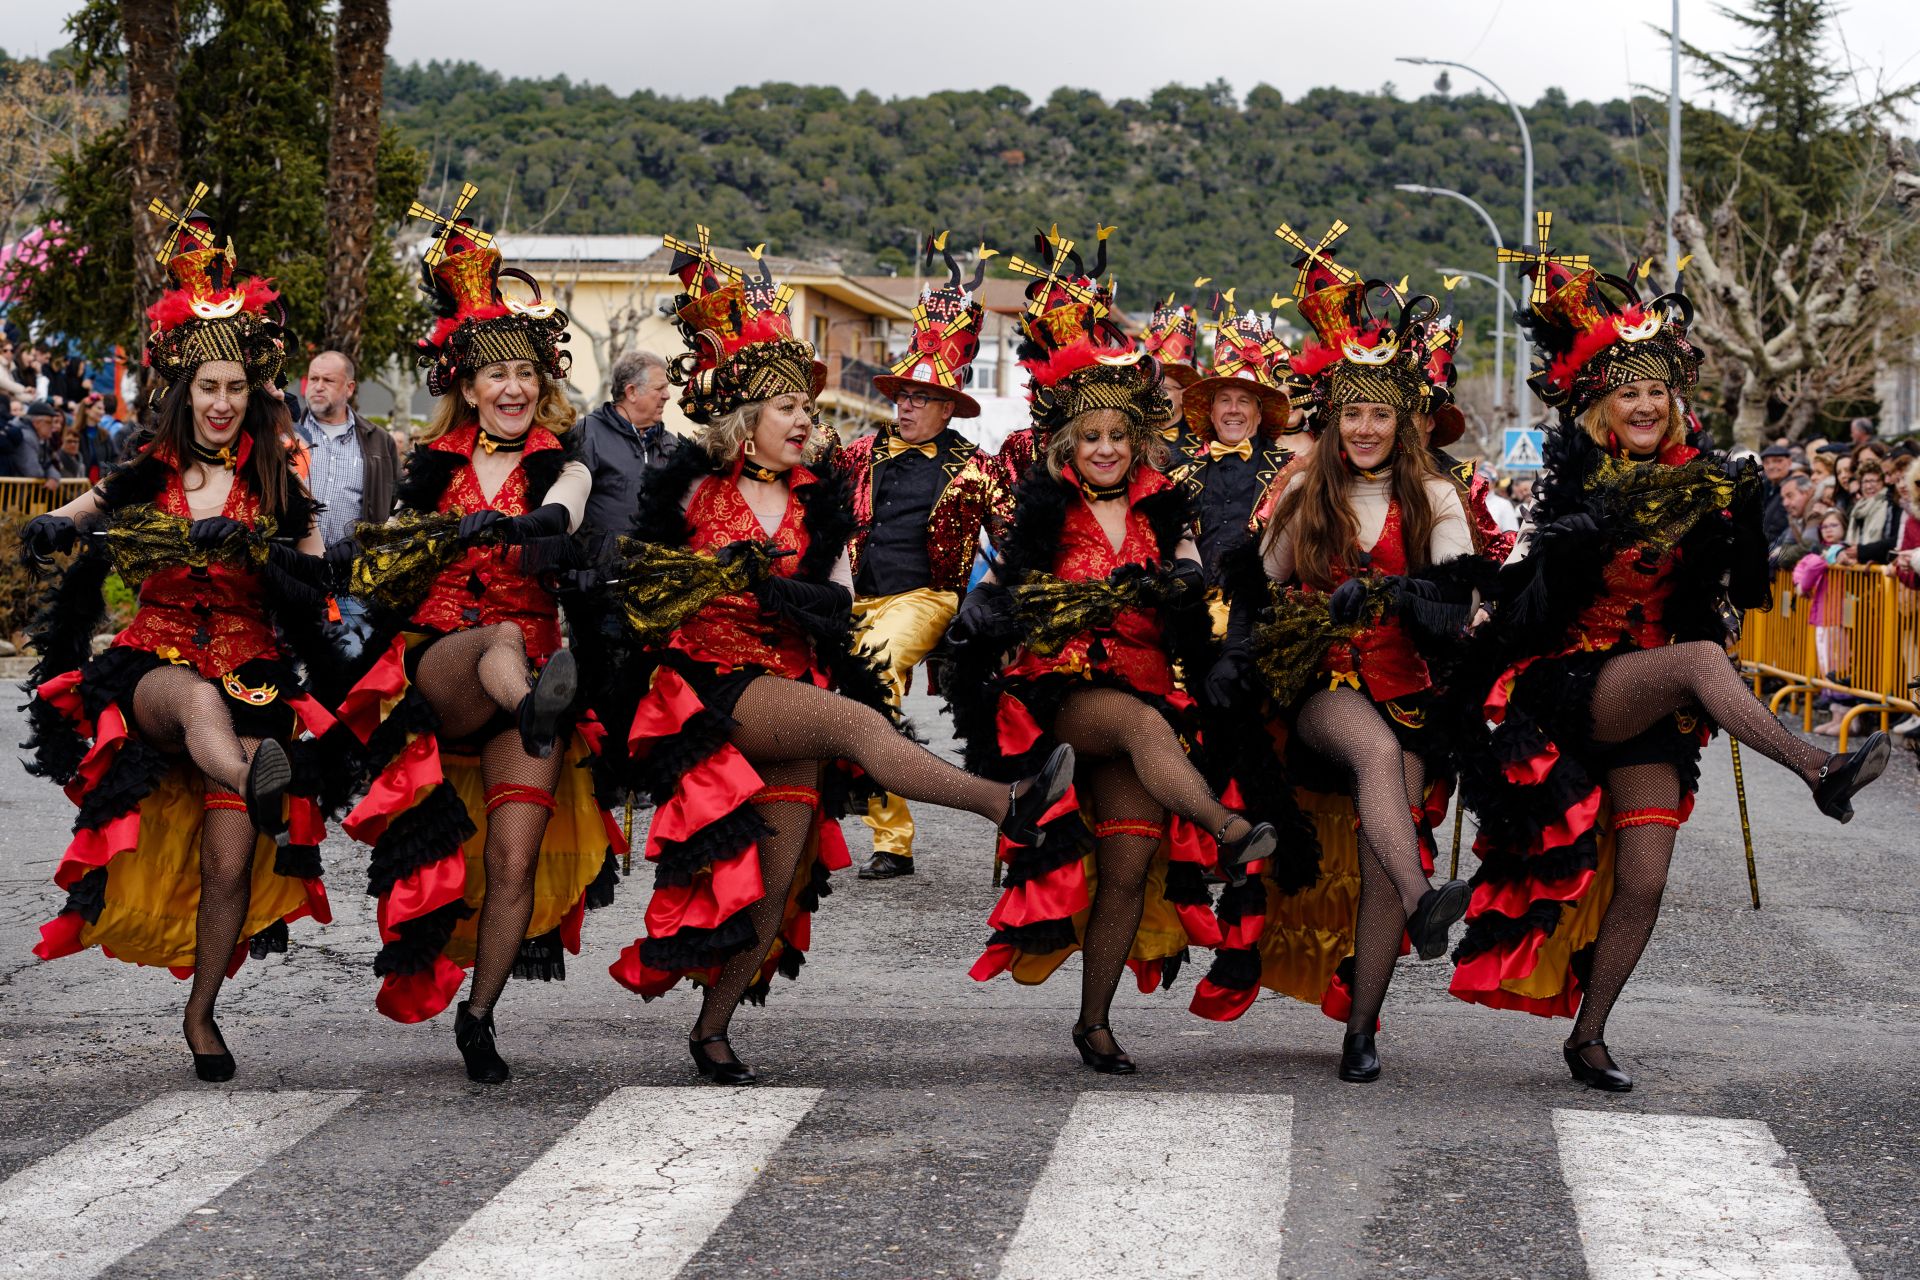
[(915, 1123)]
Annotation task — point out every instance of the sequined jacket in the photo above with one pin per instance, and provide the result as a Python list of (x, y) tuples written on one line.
[(963, 508)]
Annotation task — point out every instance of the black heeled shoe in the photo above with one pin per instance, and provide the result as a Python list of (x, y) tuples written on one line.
[(734, 1072), (1359, 1058), (1107, 1064), (1233, 856), (1609, 1078), (214, 1068), (1026, 808), (474, 1038), (267, 779), (545, 703), (1843, 775), (1439, 910)]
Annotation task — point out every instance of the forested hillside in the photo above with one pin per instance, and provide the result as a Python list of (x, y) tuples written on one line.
[(1195, 178)]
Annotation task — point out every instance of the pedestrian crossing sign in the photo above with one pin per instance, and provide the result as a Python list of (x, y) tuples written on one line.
[(1524, 449)]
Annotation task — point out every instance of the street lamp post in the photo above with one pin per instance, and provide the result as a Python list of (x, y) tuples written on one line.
[(1526, 215), (1506, 299)]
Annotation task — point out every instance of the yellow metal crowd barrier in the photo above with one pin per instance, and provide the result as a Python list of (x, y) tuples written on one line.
[(31, 497), (1861, 639)]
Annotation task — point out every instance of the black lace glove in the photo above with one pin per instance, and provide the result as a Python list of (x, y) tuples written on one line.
[(475, 523), (214, 530), (47, 536), (1347, 603), (818, 607)]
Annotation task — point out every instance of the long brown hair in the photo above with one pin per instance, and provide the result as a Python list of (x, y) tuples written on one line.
[(267, 471), (1318, 512)]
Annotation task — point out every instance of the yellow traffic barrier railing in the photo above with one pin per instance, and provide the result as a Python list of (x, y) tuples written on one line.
[(1859, 638), (32, 497)]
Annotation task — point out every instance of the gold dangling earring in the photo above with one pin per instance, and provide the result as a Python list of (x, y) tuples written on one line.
[(748, 447)]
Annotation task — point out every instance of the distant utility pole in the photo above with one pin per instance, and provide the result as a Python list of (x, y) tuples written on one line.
[(1673, 148)]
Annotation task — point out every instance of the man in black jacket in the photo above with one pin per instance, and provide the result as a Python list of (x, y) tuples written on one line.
[(622, 438)]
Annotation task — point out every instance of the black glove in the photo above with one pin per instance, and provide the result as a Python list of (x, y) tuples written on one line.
[(1189, 581), (542, 522), (985, 615), (1740, 469), (1127, 575), (1347, 603), (750, 552), (315, 571), (214, 530), (1575, 526), (1231, 680), (818, 607), (340, 557), (474, 523), (45, 536)]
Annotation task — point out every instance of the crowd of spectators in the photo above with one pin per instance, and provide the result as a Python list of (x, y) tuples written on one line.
[(56, 426)]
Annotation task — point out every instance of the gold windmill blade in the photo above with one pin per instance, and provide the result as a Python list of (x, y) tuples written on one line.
[(178, 222)]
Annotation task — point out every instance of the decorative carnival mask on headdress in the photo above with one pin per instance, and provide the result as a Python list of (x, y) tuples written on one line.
[(478, 325), (946, 336), (1247, 356), (1392, 358), (1592, 331), (1172, 337), (1076, 357), (210, 314), (739, 337)]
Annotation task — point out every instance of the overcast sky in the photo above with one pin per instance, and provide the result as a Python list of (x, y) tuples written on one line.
[(1122, 48)]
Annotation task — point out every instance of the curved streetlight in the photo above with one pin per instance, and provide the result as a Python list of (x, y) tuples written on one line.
[(1526, 210), (1499, 312)]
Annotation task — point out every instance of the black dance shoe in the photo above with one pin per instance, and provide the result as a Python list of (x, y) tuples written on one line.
[(1233, 855), (1026, 808), (214, 1068), (1608, 1077), (474, 1038), (1439, 910), (734, 1072), (886, 866), (1842, 775), (1107, 1064), (1359, 1059), (548, 700), (267, 779)]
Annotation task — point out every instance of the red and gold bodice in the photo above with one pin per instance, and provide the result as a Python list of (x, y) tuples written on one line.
[(485, 585), (1632, 610), (1382, 658), (209, 617), (1132, 648), (732, 630)]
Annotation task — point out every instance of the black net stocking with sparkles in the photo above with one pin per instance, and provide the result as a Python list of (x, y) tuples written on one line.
[(1345, 726), (1109, 724), (1120, 895), (779, 858), (788, 720), (226, 887), (471, 675), (1635, 691), (1641, 855), (175, 709), (514, 833), (1378, 927)]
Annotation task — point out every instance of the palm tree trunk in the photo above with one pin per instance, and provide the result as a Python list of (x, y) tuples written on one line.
[(152, 32), (359, 61)]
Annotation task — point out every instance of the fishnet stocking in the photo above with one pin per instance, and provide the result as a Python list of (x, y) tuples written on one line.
[(1345, 726), (780, 852), (782, 720), (1120, 895), (1641, 855), (227, 842), (1108, 724), (514, 832), (470, 675), (176, 710), (1379, 925), (1635, 691)]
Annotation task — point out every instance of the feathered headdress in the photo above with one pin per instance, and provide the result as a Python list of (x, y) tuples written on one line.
[(1076, 356), (1246, 355), (1592, 331), (946, 335), (210, 313), (740, 343), (478, 325)]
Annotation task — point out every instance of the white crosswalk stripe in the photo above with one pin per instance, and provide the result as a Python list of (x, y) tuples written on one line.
[(1137, 1181), (1663, 1196), (634, 1189), (74, 1213)]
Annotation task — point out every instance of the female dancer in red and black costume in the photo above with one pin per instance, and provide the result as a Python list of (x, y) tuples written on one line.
[(174, 742), (488, 843), (738, 737), (1097, 590), (1369, 538), (1603, 668)]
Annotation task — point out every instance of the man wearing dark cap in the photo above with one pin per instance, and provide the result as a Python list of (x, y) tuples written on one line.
[(1776, 461), (25, 451)]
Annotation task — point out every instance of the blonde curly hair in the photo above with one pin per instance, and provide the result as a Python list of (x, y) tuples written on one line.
[(551, 410)]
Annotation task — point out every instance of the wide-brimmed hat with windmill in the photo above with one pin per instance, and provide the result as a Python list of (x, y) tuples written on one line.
[(1247, 356), (946, 336)]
